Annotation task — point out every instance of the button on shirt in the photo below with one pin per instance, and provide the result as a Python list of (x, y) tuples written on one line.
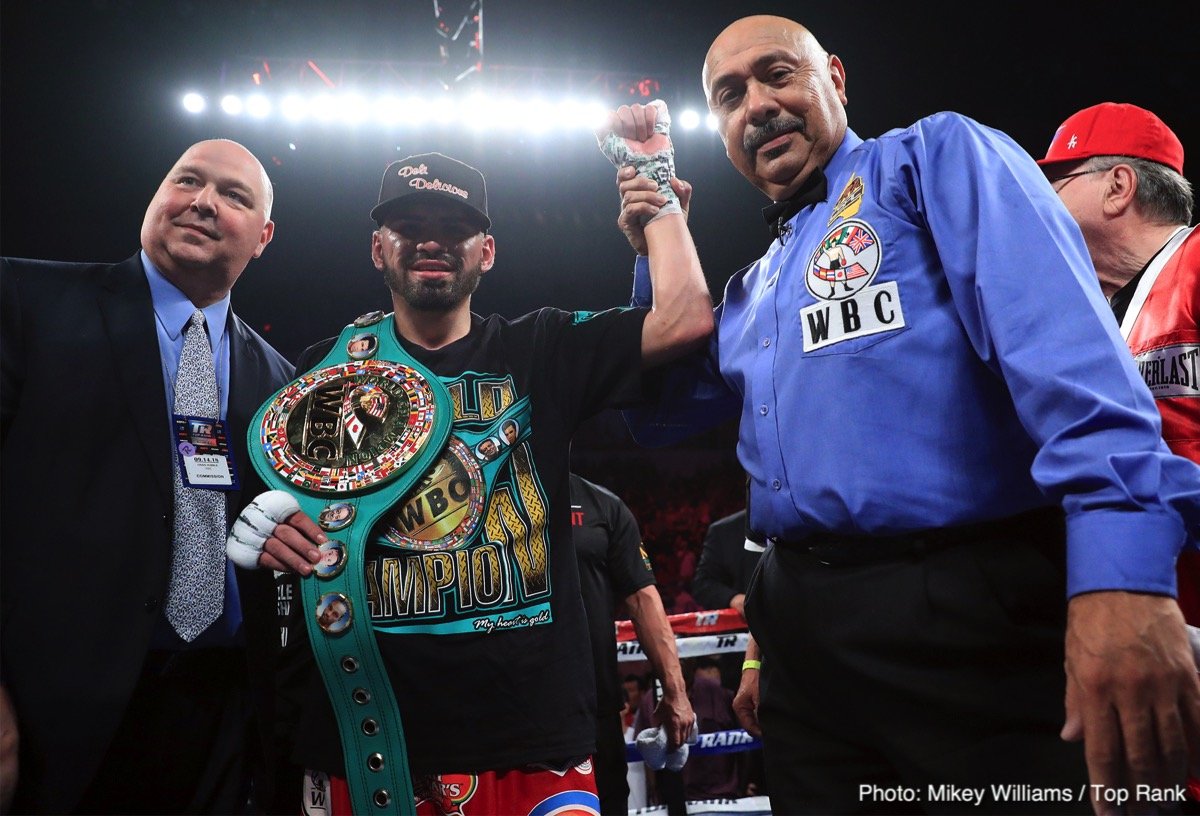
[(940, 354), (172, 311)]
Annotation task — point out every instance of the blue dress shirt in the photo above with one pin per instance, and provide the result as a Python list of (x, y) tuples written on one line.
[(172, 311), (929, 347)]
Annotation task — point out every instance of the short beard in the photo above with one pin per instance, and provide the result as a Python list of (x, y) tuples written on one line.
[(433, 296)]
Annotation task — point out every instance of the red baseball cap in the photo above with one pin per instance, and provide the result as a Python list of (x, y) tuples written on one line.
[(1115, 129)]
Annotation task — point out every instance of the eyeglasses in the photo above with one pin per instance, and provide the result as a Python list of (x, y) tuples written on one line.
[(1069, 176)]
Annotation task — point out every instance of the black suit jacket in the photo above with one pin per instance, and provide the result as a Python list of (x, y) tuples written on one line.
[(87, 508), (724, 570), (725, 564)]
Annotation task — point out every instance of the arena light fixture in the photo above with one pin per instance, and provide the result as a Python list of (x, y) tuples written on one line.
[(479, 111), (194, 102), (581, 114), (540, 115), (322, 107), (258, 106), (443, 111), (388, 110), (293, 107), (415, 112), (351, 107), (482, 112), (689, 119)]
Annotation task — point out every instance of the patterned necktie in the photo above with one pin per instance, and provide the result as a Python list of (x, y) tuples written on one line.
[(197, 591)]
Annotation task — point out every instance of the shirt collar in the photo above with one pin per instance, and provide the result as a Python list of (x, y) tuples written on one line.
[(174, 310), (813, 191), (841, 156)]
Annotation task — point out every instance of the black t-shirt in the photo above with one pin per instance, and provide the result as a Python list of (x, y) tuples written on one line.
[(476, 602), (1124, 296), (612, 566)]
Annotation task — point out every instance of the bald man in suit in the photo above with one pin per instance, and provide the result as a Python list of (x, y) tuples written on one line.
[(114, 710)]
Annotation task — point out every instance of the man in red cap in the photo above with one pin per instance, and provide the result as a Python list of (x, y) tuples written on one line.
[(1119, 170)]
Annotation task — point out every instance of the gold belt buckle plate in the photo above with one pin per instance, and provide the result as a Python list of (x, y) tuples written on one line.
[(347, 427)]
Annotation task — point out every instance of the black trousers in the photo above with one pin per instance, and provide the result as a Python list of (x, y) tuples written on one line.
[(182, 746), (899, 686), (611, 768)]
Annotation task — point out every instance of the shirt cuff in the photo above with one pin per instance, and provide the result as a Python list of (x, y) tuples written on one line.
[(1114, 550), (643, 293)]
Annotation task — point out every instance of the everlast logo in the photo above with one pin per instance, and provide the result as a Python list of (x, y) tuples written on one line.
[(868, 311), (1171, 371), (409, 170)]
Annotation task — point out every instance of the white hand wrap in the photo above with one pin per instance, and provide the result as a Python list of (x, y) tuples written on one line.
[(1194, 637), (658, 166), (256, 524)]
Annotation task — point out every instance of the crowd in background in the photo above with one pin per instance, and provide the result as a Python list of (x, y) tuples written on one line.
[(674, 494)]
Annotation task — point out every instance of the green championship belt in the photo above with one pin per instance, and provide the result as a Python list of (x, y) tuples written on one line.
[(347, 440)]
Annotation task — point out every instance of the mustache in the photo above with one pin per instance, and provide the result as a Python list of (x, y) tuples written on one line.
[(441, 257), (756, 137)]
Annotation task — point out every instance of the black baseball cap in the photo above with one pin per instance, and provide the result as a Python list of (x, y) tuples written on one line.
[(428, 174)]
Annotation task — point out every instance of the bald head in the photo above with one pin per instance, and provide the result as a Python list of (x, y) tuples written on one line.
[(779, 100), (210, 216), (268, 190), (764, 29)]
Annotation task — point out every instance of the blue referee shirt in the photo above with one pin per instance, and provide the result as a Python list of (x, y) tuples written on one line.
[(929, 347)]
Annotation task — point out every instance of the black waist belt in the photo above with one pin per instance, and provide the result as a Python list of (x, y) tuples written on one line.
[(837, 550)]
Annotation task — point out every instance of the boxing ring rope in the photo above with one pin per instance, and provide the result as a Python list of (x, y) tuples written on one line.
[(718, 632), (709, 632)]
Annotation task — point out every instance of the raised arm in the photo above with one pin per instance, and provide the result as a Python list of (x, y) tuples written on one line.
[(636, 138)]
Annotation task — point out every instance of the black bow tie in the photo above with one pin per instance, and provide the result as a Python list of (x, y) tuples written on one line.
[(778, 214)]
